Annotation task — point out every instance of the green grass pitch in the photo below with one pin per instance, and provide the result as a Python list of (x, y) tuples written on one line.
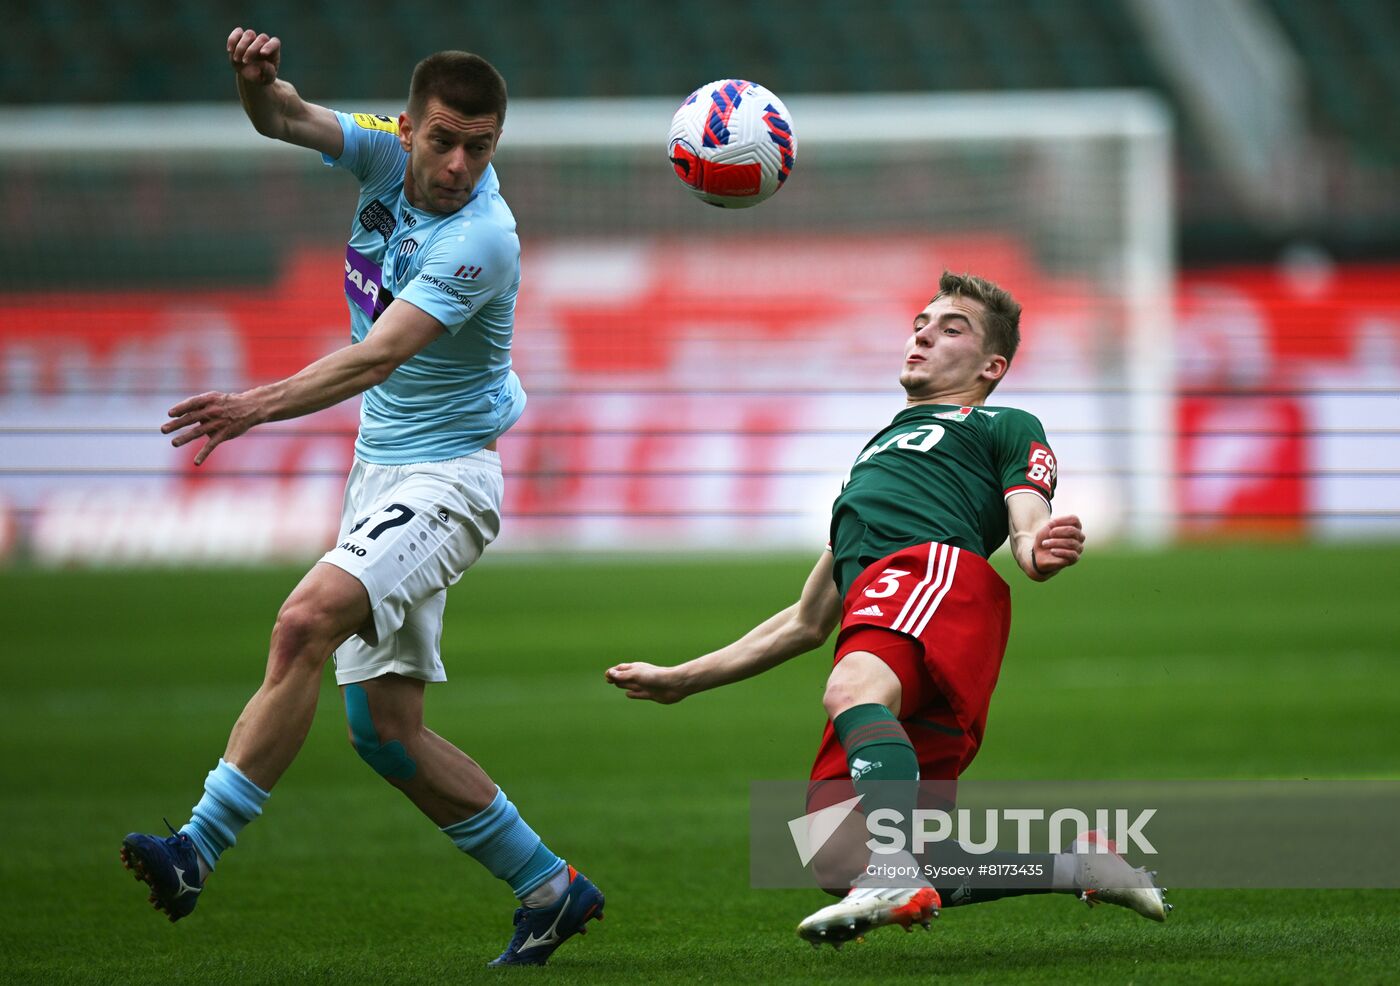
[(119, 690)]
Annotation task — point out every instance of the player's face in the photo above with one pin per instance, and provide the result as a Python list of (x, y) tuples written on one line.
[(448, 154), (944, 356)]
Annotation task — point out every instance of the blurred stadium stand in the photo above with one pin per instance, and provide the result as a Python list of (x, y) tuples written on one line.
[(1352, 51), (149, 51)]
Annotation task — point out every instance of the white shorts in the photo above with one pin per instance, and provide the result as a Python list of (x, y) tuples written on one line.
[(407, 533)]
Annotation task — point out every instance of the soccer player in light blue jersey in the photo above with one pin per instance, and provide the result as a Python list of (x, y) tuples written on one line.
[(432, 269)]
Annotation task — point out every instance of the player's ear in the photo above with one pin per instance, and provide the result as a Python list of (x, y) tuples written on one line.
[(995, 368), (405, 131)]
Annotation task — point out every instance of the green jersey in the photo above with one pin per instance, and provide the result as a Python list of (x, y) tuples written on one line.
[(941, 473)]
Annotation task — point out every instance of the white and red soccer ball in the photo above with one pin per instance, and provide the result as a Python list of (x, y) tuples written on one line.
[(732, 143)]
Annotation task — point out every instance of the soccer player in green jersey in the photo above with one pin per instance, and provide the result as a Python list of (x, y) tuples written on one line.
[(924, 619)]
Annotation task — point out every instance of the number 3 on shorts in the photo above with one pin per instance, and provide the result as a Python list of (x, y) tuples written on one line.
[(395, 514), (886, 583)]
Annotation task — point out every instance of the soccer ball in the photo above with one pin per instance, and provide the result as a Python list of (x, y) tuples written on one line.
[(732, 143)]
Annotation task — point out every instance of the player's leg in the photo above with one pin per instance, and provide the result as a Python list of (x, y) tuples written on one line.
[(963, 636), (945, 750), (324, 609), (1090, 868), (385, 723), (385, 718), (423, 533), (863, 697), (321, 613), (839, 862)]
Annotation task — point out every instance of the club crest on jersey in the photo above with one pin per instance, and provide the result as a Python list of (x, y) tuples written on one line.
[(401, 259), (961, 414)]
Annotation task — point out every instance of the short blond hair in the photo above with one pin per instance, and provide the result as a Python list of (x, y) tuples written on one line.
[(1002, 332)]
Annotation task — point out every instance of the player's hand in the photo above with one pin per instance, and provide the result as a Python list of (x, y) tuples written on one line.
[(1057, 545), (647, 681), (214, 417), (255, 57)]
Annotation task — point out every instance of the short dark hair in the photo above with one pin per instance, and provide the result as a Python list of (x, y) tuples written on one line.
[(466, 83), (1003, 322)]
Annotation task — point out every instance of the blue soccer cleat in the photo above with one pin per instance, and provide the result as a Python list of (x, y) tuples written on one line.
[(540, 930), (170, 867)]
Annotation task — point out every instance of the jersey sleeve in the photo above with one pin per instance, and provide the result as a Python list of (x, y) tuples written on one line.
[(466, 265), (1024, 459), (372, 150)]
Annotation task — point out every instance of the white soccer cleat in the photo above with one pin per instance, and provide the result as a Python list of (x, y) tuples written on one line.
[(865, 908), (1104, 877)]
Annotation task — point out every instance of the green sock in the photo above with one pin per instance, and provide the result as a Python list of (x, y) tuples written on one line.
[(884, 767), (1034, 874)]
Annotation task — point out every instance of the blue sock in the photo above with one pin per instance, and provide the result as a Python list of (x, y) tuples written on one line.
[(230, 802), (498, 839)]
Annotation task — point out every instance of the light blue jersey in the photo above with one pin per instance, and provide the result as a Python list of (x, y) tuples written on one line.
[(463, 269)]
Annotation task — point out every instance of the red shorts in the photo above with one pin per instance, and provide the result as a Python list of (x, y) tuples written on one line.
[(939, 617)]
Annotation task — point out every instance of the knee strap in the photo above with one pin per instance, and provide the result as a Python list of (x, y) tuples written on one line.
[(388, 759)]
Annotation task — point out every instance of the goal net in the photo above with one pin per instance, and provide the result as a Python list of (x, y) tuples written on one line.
[(699, 378)]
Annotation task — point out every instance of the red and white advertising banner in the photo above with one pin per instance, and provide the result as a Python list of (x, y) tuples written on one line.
[(1289, 384), (686, 395)]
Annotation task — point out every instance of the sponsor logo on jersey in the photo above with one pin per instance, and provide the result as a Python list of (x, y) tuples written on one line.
[(408, 219), (869, 611), (358, 283), (401, 259), (362, 284), (468, 273), (1041, 468), (376, 121), (448, 290), (377, 219), (921, 439)]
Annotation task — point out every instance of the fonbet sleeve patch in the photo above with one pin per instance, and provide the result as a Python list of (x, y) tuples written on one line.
[(1040, 469)]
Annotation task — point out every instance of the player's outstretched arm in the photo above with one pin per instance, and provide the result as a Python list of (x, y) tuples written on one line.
[(784, 635), (272, 104), (1043, 545), (399, 333)]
